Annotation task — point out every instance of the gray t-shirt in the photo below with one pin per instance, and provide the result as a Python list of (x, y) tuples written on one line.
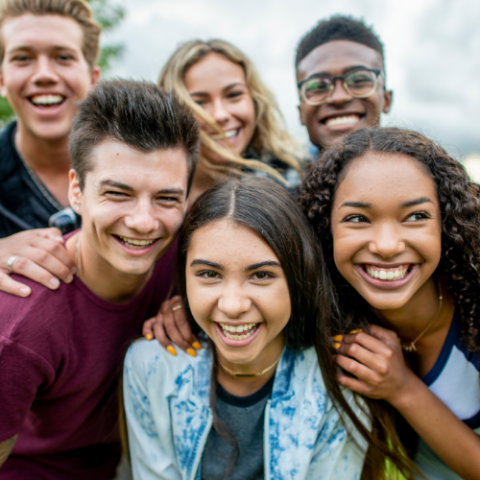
[(243, 417)]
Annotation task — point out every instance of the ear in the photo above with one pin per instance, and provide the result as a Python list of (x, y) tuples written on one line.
[(74, 192), (301, 115), (387, 100), (95, 75), (3, 90)]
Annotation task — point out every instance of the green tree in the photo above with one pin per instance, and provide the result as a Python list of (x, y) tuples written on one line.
[(108, 16)]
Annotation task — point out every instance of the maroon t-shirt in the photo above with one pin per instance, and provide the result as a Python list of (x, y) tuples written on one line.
[(61, 355)]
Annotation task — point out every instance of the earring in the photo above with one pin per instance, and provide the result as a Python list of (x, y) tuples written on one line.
[(77, 207)]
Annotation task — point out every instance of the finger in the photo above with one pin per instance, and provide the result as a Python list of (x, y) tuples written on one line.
[(353, 384), (175, 334), (386, 336), (185, 329), (52, 233), (366, 357), (147, 329), (168, 304), (368, 341), (9, 285), (161, 336), (57, 250), (27, 268), (50, 263), (360, 371)]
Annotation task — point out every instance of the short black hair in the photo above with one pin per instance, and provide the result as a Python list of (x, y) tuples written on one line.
[(338, 27), (138, 114)]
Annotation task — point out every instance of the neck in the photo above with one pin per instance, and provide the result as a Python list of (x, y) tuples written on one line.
[(202, 181), (49, 160), (100, 277), (242, 386), (410, 320)]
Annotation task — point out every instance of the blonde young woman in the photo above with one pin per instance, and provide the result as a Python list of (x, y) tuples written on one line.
[(242, 127)]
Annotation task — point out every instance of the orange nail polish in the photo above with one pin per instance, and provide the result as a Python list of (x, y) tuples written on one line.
[(338, 338), (358, 330), (191, 352), (148, 336), (196, 346), (335, 345), (171, 350)]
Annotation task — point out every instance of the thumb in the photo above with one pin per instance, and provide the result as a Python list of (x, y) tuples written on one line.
[(389, 337), (52, 234)]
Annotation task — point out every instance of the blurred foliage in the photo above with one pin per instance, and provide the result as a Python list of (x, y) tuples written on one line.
[(108, 16)]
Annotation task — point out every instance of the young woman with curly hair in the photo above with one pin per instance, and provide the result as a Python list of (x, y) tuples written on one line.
[(242, 129), (399, 223)]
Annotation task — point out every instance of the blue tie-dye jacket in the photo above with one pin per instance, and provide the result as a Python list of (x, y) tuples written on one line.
[(168, 416)]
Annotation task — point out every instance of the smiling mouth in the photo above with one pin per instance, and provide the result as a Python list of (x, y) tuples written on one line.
[(387, 274), (46, 100), (134, 243), (239, 332), (230, 134), (341, 120)]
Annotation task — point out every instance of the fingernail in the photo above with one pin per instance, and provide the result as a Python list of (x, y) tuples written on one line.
[(171, 350), (338, 338), (69, 278), (149, 336), (358, 330), (73, 270), (191, 352), (59, 239), (24, 291), (54, 282), (335, 345), (196, 346)]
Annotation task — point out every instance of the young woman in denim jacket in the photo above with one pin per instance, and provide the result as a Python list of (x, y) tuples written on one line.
[(253, 403)]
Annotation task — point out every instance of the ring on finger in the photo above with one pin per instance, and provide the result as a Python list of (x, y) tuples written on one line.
[(176, 307), (10, 262)]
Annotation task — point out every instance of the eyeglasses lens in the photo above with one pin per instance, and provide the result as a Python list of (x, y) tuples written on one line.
[(316, 90)]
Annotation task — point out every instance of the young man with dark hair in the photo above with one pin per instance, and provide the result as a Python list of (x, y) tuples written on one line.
[(341, 79), (134, 150), (48, 55)]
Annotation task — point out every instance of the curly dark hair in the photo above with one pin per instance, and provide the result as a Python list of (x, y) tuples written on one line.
[(459, 266), (459, 204), (338, 27)]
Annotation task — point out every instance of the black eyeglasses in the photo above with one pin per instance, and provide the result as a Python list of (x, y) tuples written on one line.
[(359, 83)]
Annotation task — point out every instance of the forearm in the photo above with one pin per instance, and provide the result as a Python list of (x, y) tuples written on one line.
[(453, 441), (6, 448)]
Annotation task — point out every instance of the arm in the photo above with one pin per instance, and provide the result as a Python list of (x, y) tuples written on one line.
[(40, 257), (6, 448), (172, 326), (377, 362)]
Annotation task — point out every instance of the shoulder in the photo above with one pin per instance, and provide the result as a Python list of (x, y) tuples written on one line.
[(8, 153)]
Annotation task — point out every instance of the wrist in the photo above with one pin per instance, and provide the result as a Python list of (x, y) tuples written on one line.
[(405, 397)]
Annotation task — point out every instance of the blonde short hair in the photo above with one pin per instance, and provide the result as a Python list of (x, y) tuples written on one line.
[(77, 10), (270, 137)]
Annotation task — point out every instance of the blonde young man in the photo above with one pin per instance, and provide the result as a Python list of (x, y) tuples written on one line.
[(48, 55)]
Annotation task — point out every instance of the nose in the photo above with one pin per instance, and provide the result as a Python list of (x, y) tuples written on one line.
[(233, 302), (44, 71), (142, 217), (386, 242), (339, 94), (219, 113)]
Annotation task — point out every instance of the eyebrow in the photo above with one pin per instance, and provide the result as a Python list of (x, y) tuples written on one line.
[(345, 70), (199, 261), (30, 48), (128, 188), (228, 87), (268, 263), (410, 203)]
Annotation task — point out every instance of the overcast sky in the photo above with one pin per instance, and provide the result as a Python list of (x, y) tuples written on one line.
[(432, 52)]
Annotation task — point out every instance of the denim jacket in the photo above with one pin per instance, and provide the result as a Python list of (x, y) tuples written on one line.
[(168, 416)]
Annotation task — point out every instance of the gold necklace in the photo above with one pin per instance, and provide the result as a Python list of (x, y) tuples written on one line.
[(258, 374), (411, 346)]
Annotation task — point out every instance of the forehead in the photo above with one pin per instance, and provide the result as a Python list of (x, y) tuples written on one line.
[(229, 244), (214, 70), (41, 31), (336, 57), (384, 179), (152, 171)]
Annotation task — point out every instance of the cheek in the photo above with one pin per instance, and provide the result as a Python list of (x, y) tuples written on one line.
[(201, 300)]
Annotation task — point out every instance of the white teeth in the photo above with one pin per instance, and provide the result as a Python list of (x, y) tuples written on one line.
[(387, 274), (137, 243), (250, 328), (47, 99), (331, 122), (232, 133)]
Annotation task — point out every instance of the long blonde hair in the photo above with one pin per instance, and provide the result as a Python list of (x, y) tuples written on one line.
[(270, 137)]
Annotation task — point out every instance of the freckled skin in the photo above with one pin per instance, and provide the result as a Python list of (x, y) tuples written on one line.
[(336, 58), (388, 233)]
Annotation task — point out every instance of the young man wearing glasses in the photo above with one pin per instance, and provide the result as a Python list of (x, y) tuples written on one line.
[(341, 79)]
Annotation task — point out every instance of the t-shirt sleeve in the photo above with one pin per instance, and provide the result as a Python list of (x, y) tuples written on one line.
[(340, 450), (22, 373), (148, 447)]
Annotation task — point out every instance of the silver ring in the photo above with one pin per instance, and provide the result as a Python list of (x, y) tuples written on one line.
[(176, 307), (10, 262)]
